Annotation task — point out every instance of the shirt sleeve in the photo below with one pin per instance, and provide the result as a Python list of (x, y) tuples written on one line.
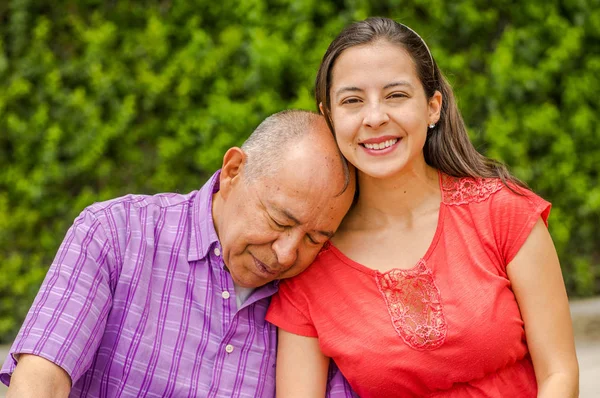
[(66, 321), (289, 309), (513, 216)]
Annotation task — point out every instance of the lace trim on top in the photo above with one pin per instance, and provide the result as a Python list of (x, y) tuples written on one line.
[(414, 305), (459, 191)]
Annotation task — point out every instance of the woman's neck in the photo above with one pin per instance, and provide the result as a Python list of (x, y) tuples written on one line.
[(402, 196)]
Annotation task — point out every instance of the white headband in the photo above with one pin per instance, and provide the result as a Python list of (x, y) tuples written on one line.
[(424, 43)]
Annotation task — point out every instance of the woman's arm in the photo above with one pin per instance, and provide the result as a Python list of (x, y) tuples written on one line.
[(538, 285), (301, 367)]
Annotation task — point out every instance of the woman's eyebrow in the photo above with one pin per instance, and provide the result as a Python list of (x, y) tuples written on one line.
[(342, 90), (347, 89), (398, 83)]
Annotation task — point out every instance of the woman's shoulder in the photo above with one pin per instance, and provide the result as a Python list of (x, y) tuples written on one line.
[(466, 190), (319, 270), (458, 191)]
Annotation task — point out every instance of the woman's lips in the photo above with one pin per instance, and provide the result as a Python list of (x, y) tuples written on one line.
[(380, 147)]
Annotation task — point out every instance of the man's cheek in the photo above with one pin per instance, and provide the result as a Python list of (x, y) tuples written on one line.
[(290, 273)]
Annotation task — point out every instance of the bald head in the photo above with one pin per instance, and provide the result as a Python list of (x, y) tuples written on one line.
[(274, 140)]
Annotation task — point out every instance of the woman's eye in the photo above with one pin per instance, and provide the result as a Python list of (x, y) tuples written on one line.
[(397, 95), (351, 101)]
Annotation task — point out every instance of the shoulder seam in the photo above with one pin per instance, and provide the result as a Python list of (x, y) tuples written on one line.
[(135, 200)]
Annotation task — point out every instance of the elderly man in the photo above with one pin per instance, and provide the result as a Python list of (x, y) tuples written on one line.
[(165, 295)]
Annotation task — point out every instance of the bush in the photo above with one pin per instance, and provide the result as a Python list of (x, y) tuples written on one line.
[(103, 98)]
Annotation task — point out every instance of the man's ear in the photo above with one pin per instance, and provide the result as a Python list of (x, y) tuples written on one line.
[(326, 115), (232, 170)]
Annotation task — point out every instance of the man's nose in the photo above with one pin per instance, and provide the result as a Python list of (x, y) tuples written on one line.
[(375, 115), (286, 248)]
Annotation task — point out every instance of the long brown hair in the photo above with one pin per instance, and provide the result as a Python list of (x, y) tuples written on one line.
[(447, 147)]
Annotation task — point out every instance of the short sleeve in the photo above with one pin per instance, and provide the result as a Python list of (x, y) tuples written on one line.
[(513, 216), (289, 309), (66, 321)]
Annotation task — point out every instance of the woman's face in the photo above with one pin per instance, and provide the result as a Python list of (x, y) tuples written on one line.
[(379, 109)]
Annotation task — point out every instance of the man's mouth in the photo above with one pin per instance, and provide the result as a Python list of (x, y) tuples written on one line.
[(262, 267)]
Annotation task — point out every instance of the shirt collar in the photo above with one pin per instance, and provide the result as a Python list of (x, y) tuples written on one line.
[(203, 234)]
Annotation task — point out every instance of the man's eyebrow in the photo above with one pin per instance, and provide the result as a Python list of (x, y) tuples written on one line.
[(328, 234), (290, 216), (286, 213), (283, 212)]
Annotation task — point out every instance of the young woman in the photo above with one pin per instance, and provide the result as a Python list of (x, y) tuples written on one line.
[(443, 279)]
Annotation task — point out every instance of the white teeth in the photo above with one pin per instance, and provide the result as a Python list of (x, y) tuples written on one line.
[(381, 145)]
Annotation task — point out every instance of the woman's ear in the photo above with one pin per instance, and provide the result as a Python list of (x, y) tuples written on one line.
[(435, 107)]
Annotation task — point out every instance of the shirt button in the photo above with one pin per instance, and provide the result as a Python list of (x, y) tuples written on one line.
[(217, 251), (229, 348), (225, 295)]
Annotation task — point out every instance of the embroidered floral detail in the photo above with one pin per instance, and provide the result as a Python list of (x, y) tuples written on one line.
[(459, 191), (414, 305)]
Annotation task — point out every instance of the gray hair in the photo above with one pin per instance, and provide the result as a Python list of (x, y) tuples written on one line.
[(263, 148)]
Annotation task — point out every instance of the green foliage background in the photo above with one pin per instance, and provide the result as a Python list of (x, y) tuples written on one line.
[(103, 98)]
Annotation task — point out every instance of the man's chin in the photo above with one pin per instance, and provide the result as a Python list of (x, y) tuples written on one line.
[(250, 281)]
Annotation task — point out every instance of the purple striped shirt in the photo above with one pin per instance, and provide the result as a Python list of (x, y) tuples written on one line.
[(137, 303)]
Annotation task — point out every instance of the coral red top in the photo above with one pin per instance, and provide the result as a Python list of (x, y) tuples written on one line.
[(448, 327)]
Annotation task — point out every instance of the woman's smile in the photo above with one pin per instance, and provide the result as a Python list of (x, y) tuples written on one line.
[(380, 146)]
